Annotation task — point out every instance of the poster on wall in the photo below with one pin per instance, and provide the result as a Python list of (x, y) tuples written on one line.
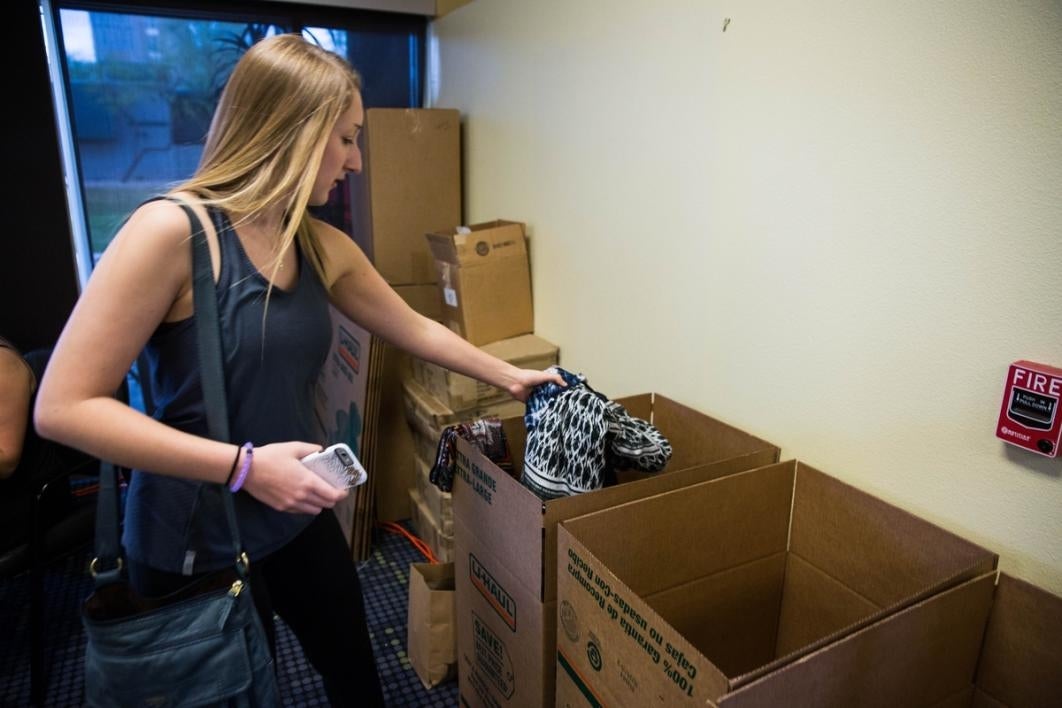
[(340, 400)]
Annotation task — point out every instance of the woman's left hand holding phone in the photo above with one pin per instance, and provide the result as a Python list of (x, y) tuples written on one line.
[(278, 478)]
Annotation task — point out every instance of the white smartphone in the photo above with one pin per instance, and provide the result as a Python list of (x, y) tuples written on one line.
[(338, 466)]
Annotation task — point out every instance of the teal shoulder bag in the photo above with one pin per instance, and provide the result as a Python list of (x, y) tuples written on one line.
[(203, 645)]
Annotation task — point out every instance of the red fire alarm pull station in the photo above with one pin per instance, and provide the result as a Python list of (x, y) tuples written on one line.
[(1029, 417)]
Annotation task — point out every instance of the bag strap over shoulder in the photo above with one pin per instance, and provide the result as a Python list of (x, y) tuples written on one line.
[(107, 565)]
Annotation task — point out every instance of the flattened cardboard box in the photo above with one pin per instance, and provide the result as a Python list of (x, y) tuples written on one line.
[(1020, 664), (745, 588), (485, 280), (505, 536), (410, 184), (429, 416), (458, 392)]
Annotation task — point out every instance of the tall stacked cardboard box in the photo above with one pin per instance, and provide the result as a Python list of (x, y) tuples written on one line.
[(410, 184), (485, 290)]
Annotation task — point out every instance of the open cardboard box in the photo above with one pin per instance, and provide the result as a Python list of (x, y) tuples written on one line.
[(720, 592), (506, 536), (485, 281), (1021, 660), (914, 657), (515, 524)]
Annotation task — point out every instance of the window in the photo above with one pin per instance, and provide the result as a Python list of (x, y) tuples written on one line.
[(141, 80)]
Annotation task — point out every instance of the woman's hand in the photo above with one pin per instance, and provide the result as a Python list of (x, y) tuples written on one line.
[(277, 478), (527, 379)]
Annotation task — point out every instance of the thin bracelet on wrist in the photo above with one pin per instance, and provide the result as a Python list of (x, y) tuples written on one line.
[(248, 450), (232, 470)]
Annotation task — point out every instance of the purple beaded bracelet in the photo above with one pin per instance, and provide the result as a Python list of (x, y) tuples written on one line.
[(248, 450)]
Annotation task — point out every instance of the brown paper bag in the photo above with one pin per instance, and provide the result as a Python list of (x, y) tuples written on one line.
[(431, 640)]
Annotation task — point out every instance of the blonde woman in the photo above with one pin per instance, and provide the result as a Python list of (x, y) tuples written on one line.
[(285, 133)]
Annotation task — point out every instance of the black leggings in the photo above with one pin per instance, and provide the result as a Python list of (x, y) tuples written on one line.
[(313, 585)]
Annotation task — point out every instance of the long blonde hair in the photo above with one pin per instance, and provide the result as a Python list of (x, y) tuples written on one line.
[(268, 135)]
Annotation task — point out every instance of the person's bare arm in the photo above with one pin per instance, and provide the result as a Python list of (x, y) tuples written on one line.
[(16, 389), (360, 293), (143, 279)]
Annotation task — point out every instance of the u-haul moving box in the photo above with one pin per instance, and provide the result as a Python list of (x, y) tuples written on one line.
[(776, 586), (506, 538)]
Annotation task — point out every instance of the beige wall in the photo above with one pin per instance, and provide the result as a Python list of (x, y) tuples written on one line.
[(834, 224)]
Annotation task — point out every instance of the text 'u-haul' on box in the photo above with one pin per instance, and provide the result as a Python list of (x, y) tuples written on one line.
[(685, 597), (505, 539)]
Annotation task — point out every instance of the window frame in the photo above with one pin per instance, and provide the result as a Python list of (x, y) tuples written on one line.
[(293, 16)]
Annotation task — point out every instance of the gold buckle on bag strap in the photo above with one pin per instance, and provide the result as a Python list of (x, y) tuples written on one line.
[(244, 563), (94, 566)]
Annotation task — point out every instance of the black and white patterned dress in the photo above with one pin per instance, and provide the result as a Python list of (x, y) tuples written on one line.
[(576, 437)]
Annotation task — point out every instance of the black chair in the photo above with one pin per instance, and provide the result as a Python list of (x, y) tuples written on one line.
[(48, 521)]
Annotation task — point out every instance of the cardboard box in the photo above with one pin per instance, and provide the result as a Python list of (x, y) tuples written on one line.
[(458, 392), (506, 540), (410, 184), (485, 281), (440, 504), (776, 586), (441, 544), (518, 526), (1021, 659), (430, 640), (427, 415), (506, 636)]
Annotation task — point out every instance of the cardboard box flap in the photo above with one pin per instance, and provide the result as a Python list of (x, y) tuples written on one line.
[(695, 437), (585, 567), (899, 552), (639, 406), (494, 507), (921, 656), (974, 571), (1021, 661), (731, 616), (814, 605), (487, 241), (983, 700), (749, 519)]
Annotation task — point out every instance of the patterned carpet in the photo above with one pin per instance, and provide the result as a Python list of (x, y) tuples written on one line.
[(384, 578)]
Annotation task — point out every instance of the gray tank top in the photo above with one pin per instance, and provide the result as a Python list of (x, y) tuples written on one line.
[(178, 525)]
